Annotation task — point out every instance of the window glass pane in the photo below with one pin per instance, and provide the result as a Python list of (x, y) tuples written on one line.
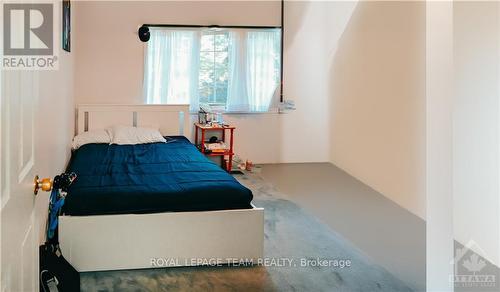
[(221, 59), (205, 88), (206, 60), (221, 93), (221, 42), (214, 68), (207, 42), (206, 76), (221, 75), (220, 66)]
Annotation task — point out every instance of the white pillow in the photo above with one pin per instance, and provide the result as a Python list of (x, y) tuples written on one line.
[(124, 135), (96, 136)]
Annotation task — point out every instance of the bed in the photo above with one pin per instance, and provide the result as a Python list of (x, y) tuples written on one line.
[(150, 178), (135, 206)]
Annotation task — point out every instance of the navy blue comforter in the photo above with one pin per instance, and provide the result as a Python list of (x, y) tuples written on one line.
[(149, 178)]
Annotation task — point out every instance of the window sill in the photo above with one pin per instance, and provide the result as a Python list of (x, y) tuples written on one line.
[(271, 112)]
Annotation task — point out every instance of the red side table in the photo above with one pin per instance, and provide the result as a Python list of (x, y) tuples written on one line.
[(201, 144)]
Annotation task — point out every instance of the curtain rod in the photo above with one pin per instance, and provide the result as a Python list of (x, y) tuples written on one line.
[(210, 26)]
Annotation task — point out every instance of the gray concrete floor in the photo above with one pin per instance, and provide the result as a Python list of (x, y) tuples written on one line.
[(290, 232), (386, 232)]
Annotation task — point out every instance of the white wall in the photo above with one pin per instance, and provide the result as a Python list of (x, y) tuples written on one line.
[(476, 125), (439, 160), (366, 73), (109, 67), (377, 99), (55, 123)]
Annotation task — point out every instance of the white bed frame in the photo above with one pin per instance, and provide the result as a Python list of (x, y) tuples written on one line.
[(136, 241)]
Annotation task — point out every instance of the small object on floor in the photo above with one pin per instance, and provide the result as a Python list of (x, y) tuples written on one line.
[(248, 165), (56, 274)]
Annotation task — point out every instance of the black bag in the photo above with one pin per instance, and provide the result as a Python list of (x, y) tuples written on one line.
[(56, 274)]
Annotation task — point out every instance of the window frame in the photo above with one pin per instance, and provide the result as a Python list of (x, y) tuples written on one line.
[(214, 51), (272, 109)]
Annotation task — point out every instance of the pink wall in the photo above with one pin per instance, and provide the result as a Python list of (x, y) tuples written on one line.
[(110, 56), (109, 67)]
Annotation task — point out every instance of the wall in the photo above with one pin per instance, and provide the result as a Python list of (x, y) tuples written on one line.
[(377, 100), (476, 198), (56, 119), (382, 109), (109, 67), (439, 160)]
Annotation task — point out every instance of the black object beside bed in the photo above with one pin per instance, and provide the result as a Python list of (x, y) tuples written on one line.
[(150, 178)]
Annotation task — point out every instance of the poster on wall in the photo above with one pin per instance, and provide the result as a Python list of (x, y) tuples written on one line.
[(66, 25)]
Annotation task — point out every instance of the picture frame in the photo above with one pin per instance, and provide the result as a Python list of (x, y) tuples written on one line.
[(66, 25)]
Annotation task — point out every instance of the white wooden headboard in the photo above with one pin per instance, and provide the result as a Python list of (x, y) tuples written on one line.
[(170, 119)]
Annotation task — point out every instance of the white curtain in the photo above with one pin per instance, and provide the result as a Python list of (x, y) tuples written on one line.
[(237, 94), (173, 60), (263, 74), (172, 67), (157, 67)]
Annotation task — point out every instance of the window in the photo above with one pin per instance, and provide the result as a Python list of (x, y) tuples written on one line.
[(237, 70), (214, 68)]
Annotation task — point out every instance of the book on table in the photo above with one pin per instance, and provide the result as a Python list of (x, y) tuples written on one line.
[(216, 147)]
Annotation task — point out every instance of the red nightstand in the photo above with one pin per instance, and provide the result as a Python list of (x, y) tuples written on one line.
[(201, 144)]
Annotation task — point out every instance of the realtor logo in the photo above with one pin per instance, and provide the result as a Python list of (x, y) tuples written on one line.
[(472, 271), (28, 36)]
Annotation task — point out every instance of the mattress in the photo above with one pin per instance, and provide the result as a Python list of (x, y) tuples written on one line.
[(149, 178)]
